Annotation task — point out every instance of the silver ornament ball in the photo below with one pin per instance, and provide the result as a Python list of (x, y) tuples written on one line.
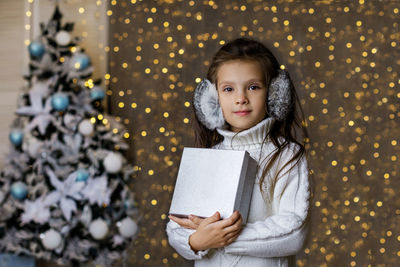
[(113, 162), (51, 239), (98, 229), (63, 38), (127, 227), (86, 127)]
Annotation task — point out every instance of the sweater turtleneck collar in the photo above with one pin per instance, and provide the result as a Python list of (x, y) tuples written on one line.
[(248, 139)]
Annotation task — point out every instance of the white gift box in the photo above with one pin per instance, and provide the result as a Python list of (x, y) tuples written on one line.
[(211, 180)]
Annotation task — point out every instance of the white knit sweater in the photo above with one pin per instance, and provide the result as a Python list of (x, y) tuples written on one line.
[(275, 230)]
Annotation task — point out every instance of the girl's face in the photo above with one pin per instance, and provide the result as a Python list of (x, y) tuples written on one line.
[(242, 93)]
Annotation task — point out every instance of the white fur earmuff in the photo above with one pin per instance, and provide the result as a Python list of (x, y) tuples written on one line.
[(209, 111), (280, 96), (207, 106)]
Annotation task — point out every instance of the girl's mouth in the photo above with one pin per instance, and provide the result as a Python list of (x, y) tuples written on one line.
[(242, 113)]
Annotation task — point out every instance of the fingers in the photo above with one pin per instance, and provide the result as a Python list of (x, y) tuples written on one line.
[(214, 218), (229, 238), (228, 224), (195, 219), (183, 222), (231, 219), (235, 227), (232, 236), (232, 230)]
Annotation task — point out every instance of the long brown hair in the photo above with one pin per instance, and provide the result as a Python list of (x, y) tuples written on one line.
[(281, 133)]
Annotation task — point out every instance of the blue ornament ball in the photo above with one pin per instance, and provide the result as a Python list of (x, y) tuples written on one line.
[(36, 49), (82, 175), (80, 61), (60, 101), (16, 137), (97, 93), (19, 190)]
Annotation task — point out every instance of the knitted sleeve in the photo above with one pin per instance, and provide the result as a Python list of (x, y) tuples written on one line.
[(283, 233), (178, 238)]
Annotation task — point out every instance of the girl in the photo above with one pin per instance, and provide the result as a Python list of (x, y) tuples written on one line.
[(248, 103)]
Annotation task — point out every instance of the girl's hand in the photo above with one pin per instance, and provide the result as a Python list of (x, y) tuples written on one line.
[(196, 220), (192, 223), (215, 233)]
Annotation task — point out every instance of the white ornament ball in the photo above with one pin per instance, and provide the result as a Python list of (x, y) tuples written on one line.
[(127, 227), (51, 239), (86, 127), (33, 147), (113, 162), (98, 229), (63, 38)]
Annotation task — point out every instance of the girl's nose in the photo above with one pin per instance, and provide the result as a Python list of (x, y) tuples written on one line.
[(241, 98)]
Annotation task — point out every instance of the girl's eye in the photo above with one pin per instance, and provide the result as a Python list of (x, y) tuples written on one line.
[(254, 87), (227, 89)]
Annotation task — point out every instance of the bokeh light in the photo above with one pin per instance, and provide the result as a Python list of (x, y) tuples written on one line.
[(343, 57)]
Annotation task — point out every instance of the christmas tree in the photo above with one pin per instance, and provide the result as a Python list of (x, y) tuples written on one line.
[(64, 189)]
